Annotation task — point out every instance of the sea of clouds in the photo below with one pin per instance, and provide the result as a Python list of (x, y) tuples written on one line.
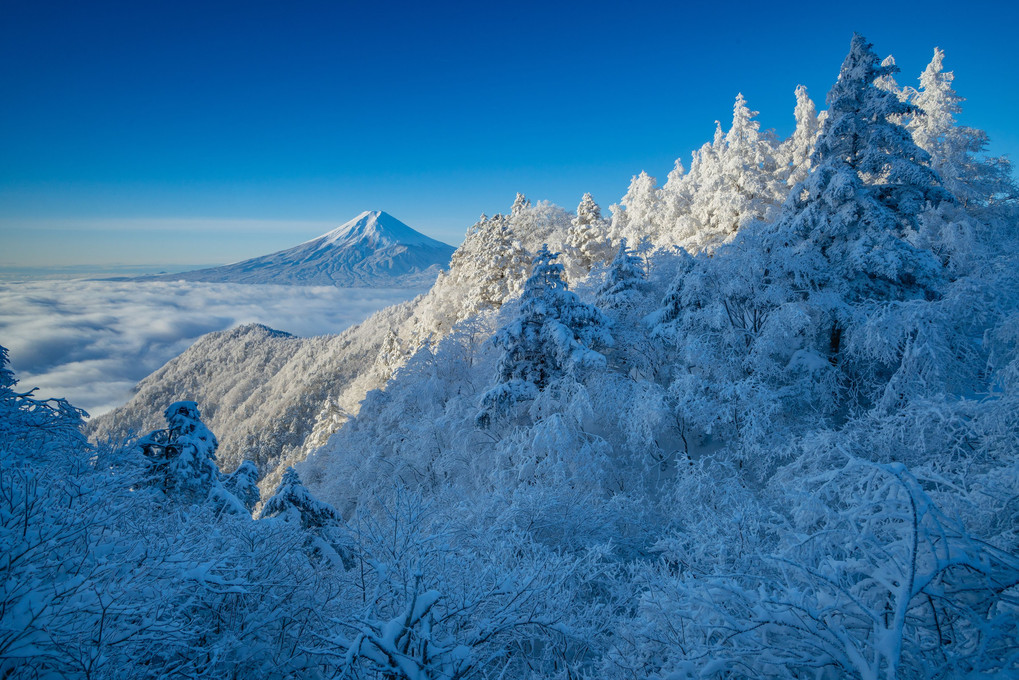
[(92, 341)]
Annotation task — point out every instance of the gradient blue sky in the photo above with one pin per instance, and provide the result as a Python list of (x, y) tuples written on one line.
[(180, 132)]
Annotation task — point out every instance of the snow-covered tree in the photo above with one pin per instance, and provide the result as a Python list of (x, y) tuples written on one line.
[(587, 241), (640, 205), (391, 357), (736, 180), (870, 182), (625, 275), (243, 484), (519, 204), (7, 379), (292, 502), (490, 265), (554, 335), (975, 182), (36, 427), (796, 151), (749, 179), (676, 197), (182, 457)]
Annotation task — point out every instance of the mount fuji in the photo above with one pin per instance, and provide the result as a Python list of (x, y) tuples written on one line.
[(373, 250)]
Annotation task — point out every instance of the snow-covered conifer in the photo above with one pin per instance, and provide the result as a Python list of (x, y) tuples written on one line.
[(587, 240), (243, 484), (869, 184), (640, 206), (182, 457), (737, 179), (519, 203), (7, 379), (953, 147), (748, 183), (625, 275), (489, 267), (702, 181), (391, 356), (292, 502), (983, 211), (553, 336), (675, 205), (796, 151)]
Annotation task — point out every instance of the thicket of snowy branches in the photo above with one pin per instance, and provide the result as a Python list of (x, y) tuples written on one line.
[(760, 422)]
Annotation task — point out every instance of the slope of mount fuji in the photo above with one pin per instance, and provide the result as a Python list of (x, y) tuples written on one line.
[(373, 250)]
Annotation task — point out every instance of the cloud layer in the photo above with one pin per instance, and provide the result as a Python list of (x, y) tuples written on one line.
[(92, 341)]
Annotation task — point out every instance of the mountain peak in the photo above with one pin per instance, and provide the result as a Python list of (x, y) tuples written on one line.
[(376, 228)]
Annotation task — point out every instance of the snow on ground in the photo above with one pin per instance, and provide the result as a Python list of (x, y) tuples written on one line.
[(92, 341)]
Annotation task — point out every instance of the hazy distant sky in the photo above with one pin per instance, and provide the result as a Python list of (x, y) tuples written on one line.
[(180, 132)]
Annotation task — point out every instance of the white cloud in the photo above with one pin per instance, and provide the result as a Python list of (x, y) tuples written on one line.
[(92, 341)]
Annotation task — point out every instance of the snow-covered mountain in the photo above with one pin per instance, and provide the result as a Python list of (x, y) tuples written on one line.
[(372, 250)]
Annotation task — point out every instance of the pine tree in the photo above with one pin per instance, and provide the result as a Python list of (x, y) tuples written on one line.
[(626, 275), (490, 266), (182, 457), (750, 179), (952, 148), (553, 336), (869, 183), (292, 502), (796, 151), (981, 218), (640, 207), (391, 356), (243, 484), (704, 178), (7, 379), (735, 180), (504, 263), (587, 241), (675, 204)]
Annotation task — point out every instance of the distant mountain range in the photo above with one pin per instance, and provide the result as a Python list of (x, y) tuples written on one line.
[(373, 250)]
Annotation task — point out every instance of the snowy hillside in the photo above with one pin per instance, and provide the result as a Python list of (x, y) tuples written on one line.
[(372, 250), (759, 422), (263, 390)]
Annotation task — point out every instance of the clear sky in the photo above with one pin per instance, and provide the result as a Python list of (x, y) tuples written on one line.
[(187, 132)]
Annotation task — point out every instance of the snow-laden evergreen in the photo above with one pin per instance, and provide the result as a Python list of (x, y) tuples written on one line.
[(554, 336), (625, 274), (587, 242), (785, 448), (182, 457), (794, 153), (293, 501)]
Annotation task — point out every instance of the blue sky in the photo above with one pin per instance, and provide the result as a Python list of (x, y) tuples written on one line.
[(178, 132)]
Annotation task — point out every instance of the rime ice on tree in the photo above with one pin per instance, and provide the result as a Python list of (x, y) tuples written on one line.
[(552, 336)]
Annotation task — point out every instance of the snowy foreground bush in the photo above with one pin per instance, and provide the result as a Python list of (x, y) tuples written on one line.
[(763, 422)]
